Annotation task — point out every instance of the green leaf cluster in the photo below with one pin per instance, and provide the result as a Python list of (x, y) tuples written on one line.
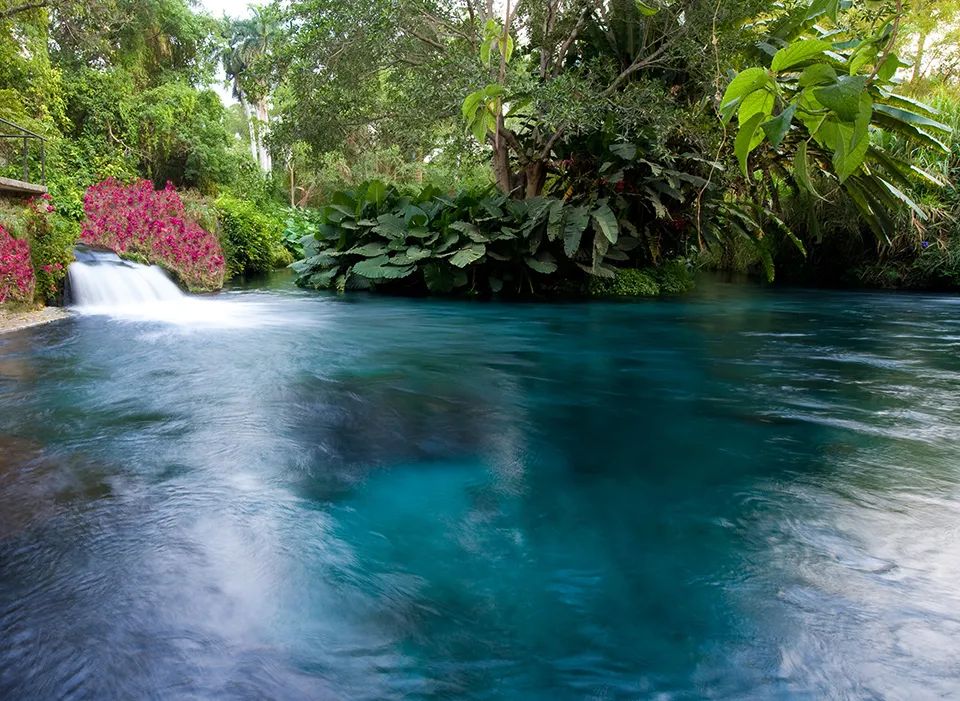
[(479, 242), (818, 107)]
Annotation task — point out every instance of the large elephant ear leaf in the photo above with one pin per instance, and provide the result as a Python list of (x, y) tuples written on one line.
[(575, 223), (467, 255), (606, 222), (441, 278), (542, 263)]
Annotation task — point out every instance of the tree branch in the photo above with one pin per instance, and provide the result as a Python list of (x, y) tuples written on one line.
[(425, 39), (890, 44), (545, 153), (568, 42), (548, 26), (24, 8), (640, 63)]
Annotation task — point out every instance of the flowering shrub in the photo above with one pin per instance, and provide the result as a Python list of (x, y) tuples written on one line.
[(17, 280), (52, 239), (138, 221)]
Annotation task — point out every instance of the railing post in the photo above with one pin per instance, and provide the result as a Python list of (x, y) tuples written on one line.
[(26, 164), (43, 164)]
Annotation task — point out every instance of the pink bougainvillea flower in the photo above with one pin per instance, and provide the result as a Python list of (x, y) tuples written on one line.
[(136, 219)]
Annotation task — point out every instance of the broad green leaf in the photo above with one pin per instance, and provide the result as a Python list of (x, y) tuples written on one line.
[(760, 102), (378, 269), (496, 284), (856, 152), (376, 193), (625, 149), (470, 230), (370, 250), (818, 74), (800, 170), (508, 52), (414, 216), (485, 49), (865, 53), (798, 52), (574, 225), (645, 9), (844, 97), (776, 129), (606, 221), (469, 254), (471, 103), (442, 278), (543, 263), (479, 129), (913, 118), (391, 226), (416, 253), (745, 83), (746, 140), (889, 68), (494, 90)]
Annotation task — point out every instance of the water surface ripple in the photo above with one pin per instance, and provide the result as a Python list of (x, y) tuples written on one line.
[(737, 495)]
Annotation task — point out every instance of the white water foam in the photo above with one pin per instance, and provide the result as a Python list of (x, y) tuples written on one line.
[(103, 284)]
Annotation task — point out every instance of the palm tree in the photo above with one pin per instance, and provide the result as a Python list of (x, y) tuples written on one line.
[(248, 42)]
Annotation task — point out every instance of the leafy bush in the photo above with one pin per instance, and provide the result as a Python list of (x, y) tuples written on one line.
[(17, 281), (252, 238), (627, 283), (136, 220), (670, 278), (52, 239), (477, 242)]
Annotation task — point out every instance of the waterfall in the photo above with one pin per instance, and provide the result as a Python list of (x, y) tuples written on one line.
[(100, 279), (99, 283)]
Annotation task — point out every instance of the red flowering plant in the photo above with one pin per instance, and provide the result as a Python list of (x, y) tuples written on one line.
[(17, 281), (139, 222)]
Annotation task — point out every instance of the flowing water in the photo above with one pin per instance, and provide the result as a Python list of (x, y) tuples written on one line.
[(742, 494)]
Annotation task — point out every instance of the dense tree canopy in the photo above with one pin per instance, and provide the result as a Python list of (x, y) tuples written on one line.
[(604, 104)]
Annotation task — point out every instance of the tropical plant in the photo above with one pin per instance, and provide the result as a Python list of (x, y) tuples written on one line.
[(17, 279), (475, 242), (253, 238), (152, 225), (815, 103)]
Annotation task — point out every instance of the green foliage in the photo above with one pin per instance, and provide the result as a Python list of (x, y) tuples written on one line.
[(252, 237), (670, 278), (475, 242), (825, 92), (627, 283), (52, 238)]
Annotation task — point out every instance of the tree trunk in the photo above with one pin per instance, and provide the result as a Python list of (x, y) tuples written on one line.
[(253, 132), (501, 167), (263, 120), (535, 176), (292, 188), (921, 47)]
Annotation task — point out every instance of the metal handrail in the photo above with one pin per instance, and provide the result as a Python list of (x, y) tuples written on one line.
[(26, 136)]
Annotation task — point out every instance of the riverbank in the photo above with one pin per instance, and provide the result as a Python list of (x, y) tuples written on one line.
[(11, 320)]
